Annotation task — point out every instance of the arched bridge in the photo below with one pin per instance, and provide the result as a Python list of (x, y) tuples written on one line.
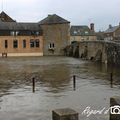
[(100, 51)]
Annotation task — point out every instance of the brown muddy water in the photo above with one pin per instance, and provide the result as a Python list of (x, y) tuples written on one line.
[(54, 87)]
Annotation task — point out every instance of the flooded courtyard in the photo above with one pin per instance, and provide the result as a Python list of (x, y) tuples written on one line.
[(54, 87)]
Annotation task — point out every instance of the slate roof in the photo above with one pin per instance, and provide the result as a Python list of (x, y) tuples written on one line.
[(53, 19), (80, 31), (19, 26), (99, 37), (111, 29)]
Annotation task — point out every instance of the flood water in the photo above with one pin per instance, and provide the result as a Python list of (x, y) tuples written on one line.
[(54, 87)]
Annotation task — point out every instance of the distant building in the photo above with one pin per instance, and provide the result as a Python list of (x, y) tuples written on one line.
[(5, 18), (112, 33), (56, 34), (99, 35), (82, 33), (21, 39)]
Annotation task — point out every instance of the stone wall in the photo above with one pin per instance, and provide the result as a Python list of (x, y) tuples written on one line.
[(117, 32), (59, 34), (105, 52)]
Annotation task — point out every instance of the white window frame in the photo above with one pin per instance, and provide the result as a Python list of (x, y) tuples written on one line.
[(73, 38), (17, 33), (82, 38), (12, 33), (75, 32), (51, 46), (111, 38), (86, 32)]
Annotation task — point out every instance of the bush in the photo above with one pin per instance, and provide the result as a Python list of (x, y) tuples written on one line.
[(74, 42)]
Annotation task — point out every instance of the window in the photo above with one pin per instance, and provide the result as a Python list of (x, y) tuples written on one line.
[(37, 32), (15, 43), (108, 38), (105, 38), (75, 32), (24, 43), (82, 38), (73, 38), (86, 32), (87, 38), (12, 33), (5, 43), (34, 32), (37, 43), (15, 33), (51, 45), (111, 38), (32, 43)]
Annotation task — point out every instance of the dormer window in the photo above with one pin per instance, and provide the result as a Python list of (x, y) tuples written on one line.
[(12, 33), (75, 32), (15, 33), (86, 32), (34, 32), (37, 32)]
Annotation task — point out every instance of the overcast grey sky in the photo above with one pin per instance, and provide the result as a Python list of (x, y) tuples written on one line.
[(78, 12)]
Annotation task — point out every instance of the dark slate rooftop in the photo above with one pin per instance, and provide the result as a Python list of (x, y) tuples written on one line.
[(53, 19), (111, 29), (81, 31), (19, 26)]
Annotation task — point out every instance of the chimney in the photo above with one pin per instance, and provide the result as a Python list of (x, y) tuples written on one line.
[(49, 15), (92, 27), (110, 26)]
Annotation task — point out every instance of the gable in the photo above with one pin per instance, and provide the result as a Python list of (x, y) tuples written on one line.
[(5, 18), (53, 19)]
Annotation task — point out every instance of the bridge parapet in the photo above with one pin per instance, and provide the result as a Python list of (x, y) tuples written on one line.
[(102, 51)]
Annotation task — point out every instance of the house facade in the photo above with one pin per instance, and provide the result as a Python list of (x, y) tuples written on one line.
[(21, 39), (112, 33), (56, 34), (82, 33), (27, 39)]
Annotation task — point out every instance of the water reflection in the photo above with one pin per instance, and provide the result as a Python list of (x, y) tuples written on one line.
[(54, 86)]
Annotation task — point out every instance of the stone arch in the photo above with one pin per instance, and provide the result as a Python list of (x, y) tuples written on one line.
[(76, 54), (92, 58), (81, 55), (71, 51), (98, 56)]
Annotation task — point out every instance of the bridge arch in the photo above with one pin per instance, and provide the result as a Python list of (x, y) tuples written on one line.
[(101, 51)]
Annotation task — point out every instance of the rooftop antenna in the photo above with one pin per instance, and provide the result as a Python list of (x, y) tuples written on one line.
[(2, 5)]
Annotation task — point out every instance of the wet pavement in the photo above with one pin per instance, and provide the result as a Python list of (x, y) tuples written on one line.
[(54, 87)]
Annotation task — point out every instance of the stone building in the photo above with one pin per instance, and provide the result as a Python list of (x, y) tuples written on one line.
[(5, 18), (82, 33), (56, 34), (21, 39), (112, 33)]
